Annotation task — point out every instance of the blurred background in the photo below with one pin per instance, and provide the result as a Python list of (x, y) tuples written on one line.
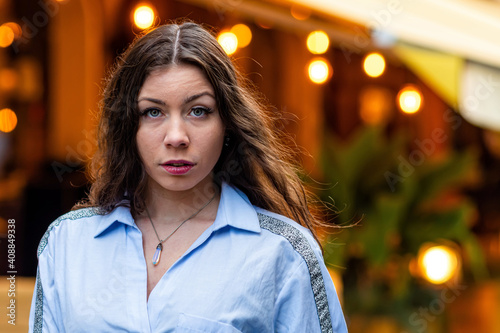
[(394, 105)]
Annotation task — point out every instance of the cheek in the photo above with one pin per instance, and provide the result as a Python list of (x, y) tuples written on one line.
[(139, 141), (217, 146), (143, 141), (217, 140), (211, 145)]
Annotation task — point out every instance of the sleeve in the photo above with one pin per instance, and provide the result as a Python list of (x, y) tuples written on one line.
[(308, 302), (45, 313)]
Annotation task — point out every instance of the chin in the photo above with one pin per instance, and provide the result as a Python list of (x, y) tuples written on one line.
[(183, 183)]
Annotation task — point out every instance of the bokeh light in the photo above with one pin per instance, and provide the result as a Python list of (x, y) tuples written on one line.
[(264, 24), (228, 41), (300, 12), (144, 17), (8, 120), (318, 42), (319, 70), (374, 64), (409, 99), (243, 34), (8, 80), (375, 104), (6, 36), (438, 264), (16, 29)]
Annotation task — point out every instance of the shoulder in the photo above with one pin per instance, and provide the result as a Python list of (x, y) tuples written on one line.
[(312, 274), (282, 238), (294, 241), (80, 214), (299, 237)]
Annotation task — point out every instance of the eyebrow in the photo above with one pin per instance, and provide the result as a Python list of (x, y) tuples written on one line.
[(194, 97), (186, 100)]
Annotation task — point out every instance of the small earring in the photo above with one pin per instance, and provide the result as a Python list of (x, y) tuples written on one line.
[(226, 141)]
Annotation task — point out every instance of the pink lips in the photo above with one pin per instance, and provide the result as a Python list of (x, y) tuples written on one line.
[(177, 167)]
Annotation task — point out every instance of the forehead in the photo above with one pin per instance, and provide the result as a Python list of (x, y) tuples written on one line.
[(178, 79)]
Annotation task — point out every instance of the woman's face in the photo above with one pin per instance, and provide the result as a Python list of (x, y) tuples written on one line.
[(181, 134)]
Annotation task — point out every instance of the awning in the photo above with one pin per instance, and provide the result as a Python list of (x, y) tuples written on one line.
[(452, 45), (466, 28)]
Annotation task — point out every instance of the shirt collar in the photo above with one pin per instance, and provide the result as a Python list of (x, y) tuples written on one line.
[(234, 210), (120, 214)]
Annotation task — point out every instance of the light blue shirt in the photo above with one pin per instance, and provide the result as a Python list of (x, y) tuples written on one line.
[(250, 271)]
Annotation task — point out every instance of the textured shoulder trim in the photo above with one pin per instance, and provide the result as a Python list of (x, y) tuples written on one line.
[(38, 322), (302, 246), (73, 215)]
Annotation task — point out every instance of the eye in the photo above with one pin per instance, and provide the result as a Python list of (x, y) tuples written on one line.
[(152, 113), (200, 111)]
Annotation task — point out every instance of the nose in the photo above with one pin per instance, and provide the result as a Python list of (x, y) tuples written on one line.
[(176, 134)]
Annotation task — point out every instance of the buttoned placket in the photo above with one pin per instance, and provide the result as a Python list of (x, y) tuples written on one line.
[(136, 280)]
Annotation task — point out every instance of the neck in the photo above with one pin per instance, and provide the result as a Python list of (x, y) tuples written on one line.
[(167, 207)]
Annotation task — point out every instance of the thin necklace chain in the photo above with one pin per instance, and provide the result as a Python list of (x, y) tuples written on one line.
[(180, 225)]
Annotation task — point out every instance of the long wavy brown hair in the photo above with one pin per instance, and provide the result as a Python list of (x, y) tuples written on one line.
[(256, 161)]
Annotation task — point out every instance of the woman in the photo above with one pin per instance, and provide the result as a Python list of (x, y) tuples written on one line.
[(185, 227)]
